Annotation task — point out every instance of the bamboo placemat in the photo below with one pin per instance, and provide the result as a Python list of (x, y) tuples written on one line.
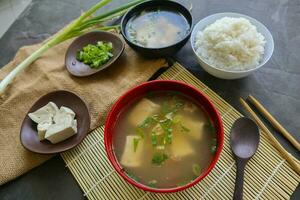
[(267, 176)]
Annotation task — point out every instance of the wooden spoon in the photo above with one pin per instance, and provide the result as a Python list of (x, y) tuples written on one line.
[(244, 140)]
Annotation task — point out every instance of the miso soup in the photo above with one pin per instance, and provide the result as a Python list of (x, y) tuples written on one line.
[(164, 140), (157, 28)]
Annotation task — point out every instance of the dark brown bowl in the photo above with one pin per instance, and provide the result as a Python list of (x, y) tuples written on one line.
[(28, 133), (154, 5), (80, 69)]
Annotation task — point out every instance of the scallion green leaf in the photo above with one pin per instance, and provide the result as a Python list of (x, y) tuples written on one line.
[(140, 132), (154, 139), (213, 147), (152, 183), (136, 143), (184, 129), (210, 127), (159, 158), (196, 170)]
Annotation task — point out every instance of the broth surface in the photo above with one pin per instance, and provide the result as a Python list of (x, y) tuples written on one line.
[(157, 28), (170, 150)]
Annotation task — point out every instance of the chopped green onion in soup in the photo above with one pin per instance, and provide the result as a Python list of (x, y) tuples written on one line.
[(196, 169), (213, 147), (152, 183), (159, 158)]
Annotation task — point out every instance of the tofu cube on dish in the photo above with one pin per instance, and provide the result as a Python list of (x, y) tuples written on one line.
[(44, 113), (54, 124), (58, 132)]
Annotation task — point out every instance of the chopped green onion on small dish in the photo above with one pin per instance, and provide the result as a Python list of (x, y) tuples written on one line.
[(95, 55)]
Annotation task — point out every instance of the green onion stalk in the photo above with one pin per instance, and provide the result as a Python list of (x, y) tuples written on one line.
[(83, 24)]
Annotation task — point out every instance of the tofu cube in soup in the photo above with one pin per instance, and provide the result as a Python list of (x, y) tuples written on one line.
[(180, 147), (132, 157), (141, 111), (195, 127), (189, 107)]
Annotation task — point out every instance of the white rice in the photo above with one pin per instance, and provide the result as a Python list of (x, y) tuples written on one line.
[(231, 44)]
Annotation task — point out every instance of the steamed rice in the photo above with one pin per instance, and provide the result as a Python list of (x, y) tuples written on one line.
[(230, 44)]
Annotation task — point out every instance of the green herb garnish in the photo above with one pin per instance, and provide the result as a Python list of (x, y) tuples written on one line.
[(213, 147), (166, 124), (140, 132), (159, 158), (130, 175), (160, 147), (95, 55), (177, 119), (184, 129), (210, 127), (166, 108), (167, 127), (182, 183), (168, 138), (152, 183), (196, 170), (136, 143), (154, 139), (149, 121)]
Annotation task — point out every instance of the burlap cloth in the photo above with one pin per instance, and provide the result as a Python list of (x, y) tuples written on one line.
[(49, 74)]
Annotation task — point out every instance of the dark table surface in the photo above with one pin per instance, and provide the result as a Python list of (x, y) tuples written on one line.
[(276, 85)]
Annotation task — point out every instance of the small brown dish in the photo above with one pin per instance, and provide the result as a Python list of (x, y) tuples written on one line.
[(80, 69), (28, 133)]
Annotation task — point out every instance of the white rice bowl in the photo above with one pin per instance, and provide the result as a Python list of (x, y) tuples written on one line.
[(230, 43)]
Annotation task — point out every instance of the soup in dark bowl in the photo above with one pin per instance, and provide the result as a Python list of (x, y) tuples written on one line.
[(157, 28)]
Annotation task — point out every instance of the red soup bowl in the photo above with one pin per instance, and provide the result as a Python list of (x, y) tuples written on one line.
[(161, 85)]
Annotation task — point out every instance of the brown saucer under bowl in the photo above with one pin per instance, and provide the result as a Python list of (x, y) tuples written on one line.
[(28, 133), (80, 69)]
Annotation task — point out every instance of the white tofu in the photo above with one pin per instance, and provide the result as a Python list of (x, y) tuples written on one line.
[(141, 111), (131, 158), (42, 128), (67, 110), (196, 129), (63, 111), (61, 131), (180, 147), (74, 125), (189, 107), (44, 113)]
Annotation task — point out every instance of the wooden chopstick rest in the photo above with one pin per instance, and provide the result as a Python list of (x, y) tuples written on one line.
[(274, 122), (276, 144)]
